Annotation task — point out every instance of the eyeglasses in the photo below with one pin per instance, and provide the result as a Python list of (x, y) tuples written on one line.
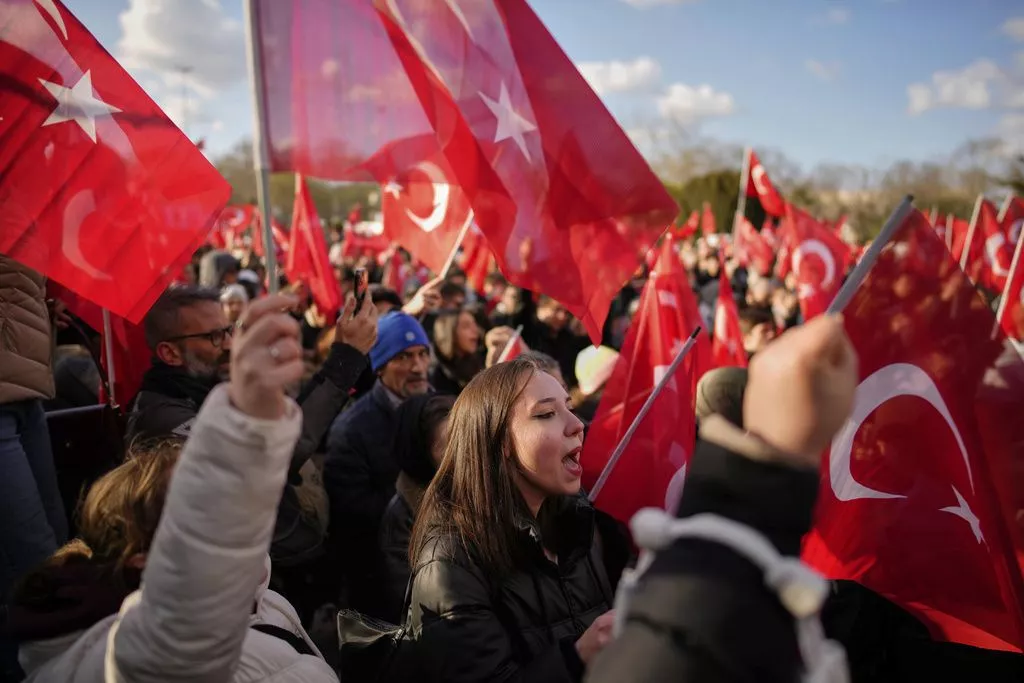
[(215, 337)]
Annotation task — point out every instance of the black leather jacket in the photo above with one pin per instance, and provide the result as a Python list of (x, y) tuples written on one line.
[(469, 626)]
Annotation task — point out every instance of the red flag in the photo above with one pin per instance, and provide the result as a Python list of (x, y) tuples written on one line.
[(477, 260), (569, 210), (753, 250), (231, 225), (922, 488), (819, 260), (1013, 219), (727, 341), (689, 228), (996, 251), (1011, 305), (956, 235), (307, 255), (707, 220), (759, 185), (100, 191), (651, 469), (425, 213)]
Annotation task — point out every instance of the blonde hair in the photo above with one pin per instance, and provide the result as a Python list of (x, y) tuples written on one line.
[(119, 515)]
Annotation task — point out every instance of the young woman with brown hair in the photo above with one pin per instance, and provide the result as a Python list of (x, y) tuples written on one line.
[(508, 581)]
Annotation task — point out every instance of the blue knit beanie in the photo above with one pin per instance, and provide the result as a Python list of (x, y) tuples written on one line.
[(396, 331)]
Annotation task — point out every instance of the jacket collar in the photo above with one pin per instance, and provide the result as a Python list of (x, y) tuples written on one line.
[(565, 526)]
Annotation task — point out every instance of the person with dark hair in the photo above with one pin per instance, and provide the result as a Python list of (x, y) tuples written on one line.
[(420, 441), (453, 296), (218, 268), (758, 328), (386, 300), (458, 355), (508, 581)]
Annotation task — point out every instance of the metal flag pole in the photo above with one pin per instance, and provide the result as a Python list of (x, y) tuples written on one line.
[(894, 221), (628, 436), (108, 349), (970, 233), (260, 147)]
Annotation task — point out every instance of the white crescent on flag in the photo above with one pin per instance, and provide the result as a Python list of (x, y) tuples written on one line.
[(78, 208), (757, 174), (816, 247), (896, 379), (442, 192)]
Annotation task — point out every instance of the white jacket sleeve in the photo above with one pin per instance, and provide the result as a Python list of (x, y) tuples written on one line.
[(192, 613)]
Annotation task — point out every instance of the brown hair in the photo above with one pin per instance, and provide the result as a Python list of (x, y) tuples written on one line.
[(473, 495), (459, 366)]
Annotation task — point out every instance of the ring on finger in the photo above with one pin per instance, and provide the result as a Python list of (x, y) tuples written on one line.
[(275, 352)]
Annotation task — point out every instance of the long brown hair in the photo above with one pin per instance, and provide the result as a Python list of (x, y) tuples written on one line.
[(474, 496)]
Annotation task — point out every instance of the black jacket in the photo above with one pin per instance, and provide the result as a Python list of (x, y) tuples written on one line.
[(702, 612), (395, 531), (359, 475), (470, 626)]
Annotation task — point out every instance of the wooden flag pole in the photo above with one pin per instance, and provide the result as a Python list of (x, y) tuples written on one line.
[(503, 356), (458, 245), (965, 255), (108, 349)]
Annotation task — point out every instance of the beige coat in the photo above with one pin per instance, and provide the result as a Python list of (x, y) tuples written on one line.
[(25, 341)]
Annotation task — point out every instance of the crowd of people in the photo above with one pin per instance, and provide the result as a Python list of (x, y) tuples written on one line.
[(282, 467)]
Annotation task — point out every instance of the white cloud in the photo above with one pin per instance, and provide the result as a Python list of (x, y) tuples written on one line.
[(686, 104), (1014, 27), (969, 88), (655, 3), (641, 74), (185, 51), (826, 72), (1011, 130)]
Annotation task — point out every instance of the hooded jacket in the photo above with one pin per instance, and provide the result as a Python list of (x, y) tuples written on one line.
[(204, 586)]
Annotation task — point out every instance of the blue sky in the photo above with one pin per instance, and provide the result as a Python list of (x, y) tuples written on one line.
[(856, 82)]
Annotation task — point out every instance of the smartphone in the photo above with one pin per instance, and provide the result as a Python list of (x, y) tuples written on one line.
[(362, 283)]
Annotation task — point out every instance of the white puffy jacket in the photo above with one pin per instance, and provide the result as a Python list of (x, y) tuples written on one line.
[(204, 584)]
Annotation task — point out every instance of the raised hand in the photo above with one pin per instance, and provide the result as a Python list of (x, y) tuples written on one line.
[(266, 358)]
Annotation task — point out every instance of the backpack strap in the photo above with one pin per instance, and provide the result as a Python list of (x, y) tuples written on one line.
[(298, 643)]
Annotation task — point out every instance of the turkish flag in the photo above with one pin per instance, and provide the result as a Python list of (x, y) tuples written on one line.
[(707, 220), (307, 255), (1011, 305), (922, 488), (282, 239), (568, 205), (819, 259), (1013, 219), (651, 470), (995, 250), (689, 228), (727, 340), (956, 236), (231, 224), (752, 249), (98, 189), (477, 260), (425, 212), (760, 186)]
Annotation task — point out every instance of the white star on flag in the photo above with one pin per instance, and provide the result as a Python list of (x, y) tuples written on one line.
[(667, 298), (393, 188), (511, 123), (77, 103), (964, 512)]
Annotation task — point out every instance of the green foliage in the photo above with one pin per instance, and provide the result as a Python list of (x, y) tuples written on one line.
[(718, 188), (333, 200)]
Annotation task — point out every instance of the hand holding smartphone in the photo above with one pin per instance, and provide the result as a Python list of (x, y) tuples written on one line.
[(361, 285)]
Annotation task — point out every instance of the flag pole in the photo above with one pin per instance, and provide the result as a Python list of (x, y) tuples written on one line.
[(628, 436), (503, 356), (934, 215), (260, 147), (741, 203), (949, 232), (108, 349), (862, 268), (1005, 207), (965, 255), (455, 249), (1014, 263)]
